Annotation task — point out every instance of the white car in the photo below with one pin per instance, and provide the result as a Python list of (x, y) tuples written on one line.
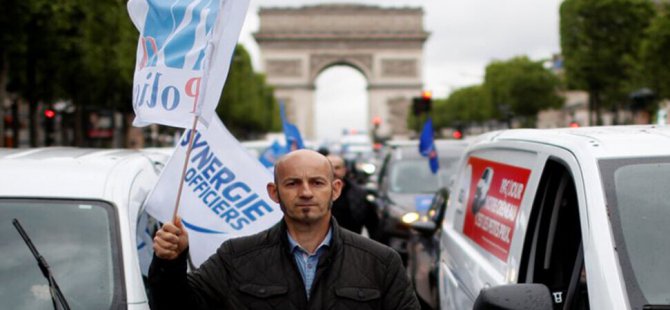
[(575, 218), (80, 208)]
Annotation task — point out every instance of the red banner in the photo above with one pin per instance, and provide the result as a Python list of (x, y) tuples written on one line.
[(496, 191)]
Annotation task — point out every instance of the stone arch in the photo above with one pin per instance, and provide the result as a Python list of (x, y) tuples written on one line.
[(357, 62), (384, 44)]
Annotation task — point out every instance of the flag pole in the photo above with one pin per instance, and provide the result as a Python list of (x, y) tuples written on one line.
[(183, 171)]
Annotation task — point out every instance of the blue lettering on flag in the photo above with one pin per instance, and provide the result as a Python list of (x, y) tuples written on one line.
[(217, 187)]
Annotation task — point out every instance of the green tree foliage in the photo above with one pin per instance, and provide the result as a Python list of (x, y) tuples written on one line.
[(654, 68), (246, 106), (84, 52), (598, 37), (464, 107), (73, 50), (521, 87)]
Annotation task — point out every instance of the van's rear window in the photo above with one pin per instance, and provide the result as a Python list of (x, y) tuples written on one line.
[(638, 200), (79, 240)]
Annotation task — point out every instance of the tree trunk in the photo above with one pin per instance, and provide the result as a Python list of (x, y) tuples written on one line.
[(78, 126), (32, 82), (4, 71)]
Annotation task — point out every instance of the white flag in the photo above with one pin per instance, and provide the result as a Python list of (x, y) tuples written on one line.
[(183, 56), (224, 193)]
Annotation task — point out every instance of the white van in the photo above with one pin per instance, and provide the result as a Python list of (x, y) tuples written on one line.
[(80, 208), (582, 212)]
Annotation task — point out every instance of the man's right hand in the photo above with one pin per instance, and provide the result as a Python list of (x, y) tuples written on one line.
[(171, 240)]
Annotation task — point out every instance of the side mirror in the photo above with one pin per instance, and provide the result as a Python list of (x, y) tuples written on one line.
[(515, 296), (424, 227)]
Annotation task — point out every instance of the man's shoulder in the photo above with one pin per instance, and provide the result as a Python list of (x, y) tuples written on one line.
[(241, 246), (366, 246)]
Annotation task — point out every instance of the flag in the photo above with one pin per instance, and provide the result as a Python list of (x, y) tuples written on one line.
[(224, 192), (427, 145), (181, 45), (293, 138), (271, 154)]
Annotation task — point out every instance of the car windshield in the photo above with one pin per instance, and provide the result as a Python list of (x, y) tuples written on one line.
[(413, 176), (78, 241), (639, 202)]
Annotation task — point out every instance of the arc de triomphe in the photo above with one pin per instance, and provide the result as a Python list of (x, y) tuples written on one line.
[(384, 44)]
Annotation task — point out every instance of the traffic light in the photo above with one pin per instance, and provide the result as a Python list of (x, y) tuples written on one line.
[(49, 113), (458, 132), (376, 121), (422, 104), (49, 126)]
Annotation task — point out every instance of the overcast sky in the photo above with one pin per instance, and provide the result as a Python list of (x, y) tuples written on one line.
[(465, 35)]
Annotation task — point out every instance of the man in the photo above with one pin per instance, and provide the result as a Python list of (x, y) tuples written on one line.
[(306, 261), (352, 209)]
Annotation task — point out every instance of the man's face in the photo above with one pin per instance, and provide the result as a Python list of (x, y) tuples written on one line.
[(339, 169), (304, 187)]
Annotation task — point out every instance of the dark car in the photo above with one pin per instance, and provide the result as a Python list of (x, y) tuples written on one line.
[(406, 187), (423, 249)]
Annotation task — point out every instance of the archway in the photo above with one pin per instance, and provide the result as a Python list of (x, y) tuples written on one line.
[(384, 44), (340, 88)]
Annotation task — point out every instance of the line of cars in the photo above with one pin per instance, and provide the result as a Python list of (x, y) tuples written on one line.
[(408, 193), (523, 219), (571, 218)]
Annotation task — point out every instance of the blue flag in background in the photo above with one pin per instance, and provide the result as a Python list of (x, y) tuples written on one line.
[(293, 138), (427, 145), (271, 154)]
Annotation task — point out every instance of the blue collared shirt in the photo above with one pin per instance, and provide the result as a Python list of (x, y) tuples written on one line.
[(306, 261)]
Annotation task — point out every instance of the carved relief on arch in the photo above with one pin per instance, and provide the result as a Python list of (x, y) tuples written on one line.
[(283, 67), (319, 62)]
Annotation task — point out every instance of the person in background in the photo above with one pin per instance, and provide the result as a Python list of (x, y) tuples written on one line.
[(353, 210), (306, 261)]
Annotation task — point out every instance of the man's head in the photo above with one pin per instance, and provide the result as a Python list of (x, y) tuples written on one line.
[(339, 168), (304, 186)]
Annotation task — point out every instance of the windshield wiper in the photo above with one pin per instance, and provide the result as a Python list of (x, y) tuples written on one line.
[(656, 307), (57, 297)]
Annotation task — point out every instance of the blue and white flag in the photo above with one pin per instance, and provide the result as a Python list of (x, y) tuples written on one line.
[(182, 44), (271, 154), (293, 138), (427, 146), (224, 192)]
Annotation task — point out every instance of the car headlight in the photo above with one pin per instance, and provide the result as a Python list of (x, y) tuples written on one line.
[(368, 168), (410, 217)]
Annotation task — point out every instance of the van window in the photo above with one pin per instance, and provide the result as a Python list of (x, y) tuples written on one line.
[(638, 200), (79, 240), (553, 253)]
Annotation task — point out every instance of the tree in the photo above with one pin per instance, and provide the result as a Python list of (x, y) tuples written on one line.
[(597, 38), (463, 108), (654, 70), (76, 50), (247, 104), (521, 87)]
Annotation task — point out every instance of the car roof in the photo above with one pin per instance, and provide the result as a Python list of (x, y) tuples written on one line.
[(445, 148), (597, 141), (67, 172)]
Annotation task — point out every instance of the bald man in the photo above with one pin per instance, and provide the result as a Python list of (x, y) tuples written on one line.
[(306, 261)]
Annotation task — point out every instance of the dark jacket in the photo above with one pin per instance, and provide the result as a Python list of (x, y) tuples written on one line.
[(259, 272), (353, 210)]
